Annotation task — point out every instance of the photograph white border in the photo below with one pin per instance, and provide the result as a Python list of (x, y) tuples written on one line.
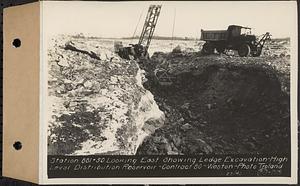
[(43, 178)]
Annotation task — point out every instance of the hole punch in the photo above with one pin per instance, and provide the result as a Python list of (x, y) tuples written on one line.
[(17, 145), (16, 43)]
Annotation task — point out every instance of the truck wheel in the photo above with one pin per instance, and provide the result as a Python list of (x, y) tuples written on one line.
[(244, 50), (207, 48)]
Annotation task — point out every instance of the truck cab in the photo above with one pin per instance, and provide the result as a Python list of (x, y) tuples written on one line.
[(237, 34), (235, 30)]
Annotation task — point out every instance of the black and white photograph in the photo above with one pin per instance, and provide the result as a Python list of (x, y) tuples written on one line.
[(172, 82)]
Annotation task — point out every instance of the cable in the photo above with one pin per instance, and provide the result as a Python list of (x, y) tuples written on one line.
[(173, 26), (137, 24)]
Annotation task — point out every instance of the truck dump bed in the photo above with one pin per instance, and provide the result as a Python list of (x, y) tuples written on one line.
[(213, 35)]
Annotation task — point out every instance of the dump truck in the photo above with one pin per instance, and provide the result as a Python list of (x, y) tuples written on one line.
[(234, 38)]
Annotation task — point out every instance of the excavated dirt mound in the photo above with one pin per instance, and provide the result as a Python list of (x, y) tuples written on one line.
[(221, 108)]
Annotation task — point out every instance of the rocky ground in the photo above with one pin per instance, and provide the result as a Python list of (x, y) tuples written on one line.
[(101, 104), (221, 104), (97, 103)]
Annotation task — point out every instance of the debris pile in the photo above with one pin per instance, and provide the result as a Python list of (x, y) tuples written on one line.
[(101, 104), (97, 103), (277, 48), (221, 104)]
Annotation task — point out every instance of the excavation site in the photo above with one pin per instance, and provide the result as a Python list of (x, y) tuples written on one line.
[(220, 105), (151, 92), (172, 103), (226, 92)]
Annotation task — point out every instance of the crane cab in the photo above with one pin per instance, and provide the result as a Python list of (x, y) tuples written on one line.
[(140, 50)]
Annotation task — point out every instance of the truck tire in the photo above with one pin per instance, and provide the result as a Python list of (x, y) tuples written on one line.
[(244, 50), (207, 48)]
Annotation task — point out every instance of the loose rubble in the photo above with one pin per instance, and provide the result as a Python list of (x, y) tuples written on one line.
[(215, 104), (97, 103), (221, 104)]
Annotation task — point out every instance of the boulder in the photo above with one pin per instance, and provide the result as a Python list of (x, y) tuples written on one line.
[(186, 127), (177, 49)]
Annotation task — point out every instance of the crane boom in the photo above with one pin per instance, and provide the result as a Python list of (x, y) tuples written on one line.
[(149, 26)]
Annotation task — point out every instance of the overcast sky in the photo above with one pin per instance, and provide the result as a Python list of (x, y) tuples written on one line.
[(119, 19)]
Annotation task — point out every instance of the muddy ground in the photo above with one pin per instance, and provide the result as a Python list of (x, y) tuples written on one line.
[(221, 104)]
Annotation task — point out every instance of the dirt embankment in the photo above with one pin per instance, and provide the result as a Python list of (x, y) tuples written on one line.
[(221, 104)]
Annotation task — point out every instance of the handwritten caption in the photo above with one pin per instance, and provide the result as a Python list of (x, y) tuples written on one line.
[(221, 166)]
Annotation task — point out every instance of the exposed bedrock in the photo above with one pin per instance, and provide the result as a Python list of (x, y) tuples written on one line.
[(214, 106), (97, 103)]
